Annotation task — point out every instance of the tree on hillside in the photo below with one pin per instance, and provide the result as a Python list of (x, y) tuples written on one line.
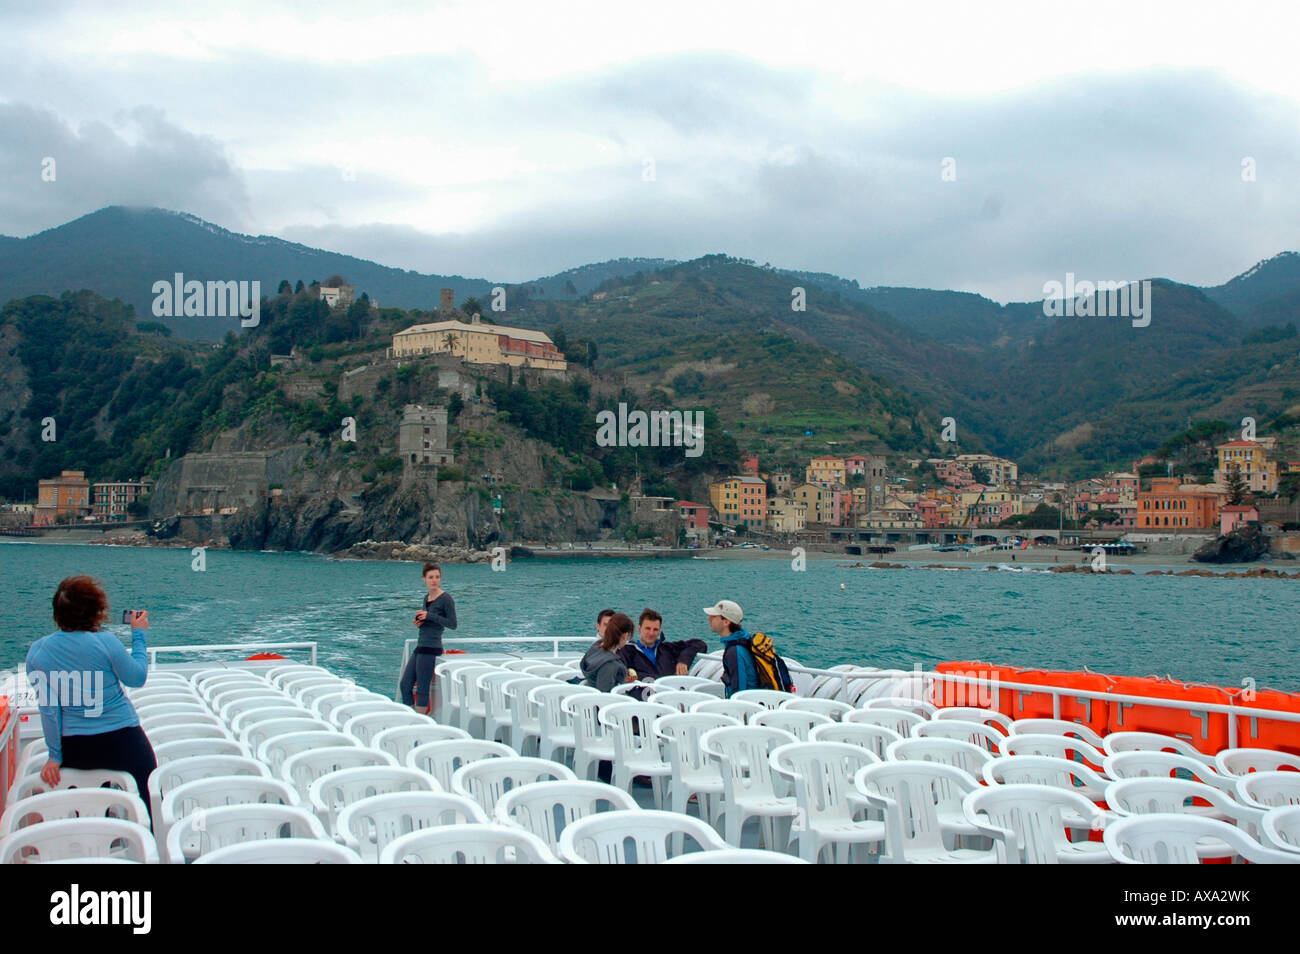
[(1235, 484), (981, 475), (570, 288), (471, 306), (1101, 515), (298, 289), (285, 288)]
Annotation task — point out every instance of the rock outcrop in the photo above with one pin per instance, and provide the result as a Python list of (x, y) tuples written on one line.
[(1243, 545)]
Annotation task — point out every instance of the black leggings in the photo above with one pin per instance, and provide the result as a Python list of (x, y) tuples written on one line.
[(125, 750), (416, 679)]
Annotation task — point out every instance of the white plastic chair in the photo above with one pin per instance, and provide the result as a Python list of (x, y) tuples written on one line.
[(277, 749), (442, 759), (195, 835), (833, 709), (334, 791), (400, 740), (485, 781), (1055, 745), (591, 744), (1281, 829), (1243, 761), (679, 699), (989, 717), (470, 706), (1147, 764), (968, 757), (876, 739), (823, 774), (554, 720), (153, 710), (795, 721), (468, 844), (524, 728), (1164, 839), (30, 785), (912, 794), (369, 724), (1117, 742), (1268, 789), (733, 707), (234, 692), (205, 794), (79, 838), (636, 747), (187, 748), (1032, 821), (1057, 727), (1045, 770), (496, 704), (688, 683), (73, 803), (337, 707), (341, 693), (168, 775), (742, 754), (692, 771), (447, 695), (986, 737), (736, 856), (606, 838), (918, 707), (767, 698), (241, 723), (186, 731), (546, 808), (369, 825), (896, 720), (152, 723), (303, 768), (281, 851), (268, 697), (1150, 796)]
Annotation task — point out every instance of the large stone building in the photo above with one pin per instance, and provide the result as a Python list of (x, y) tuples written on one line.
[(477, 342), (1172, 505), (1259, 473), (422, 437)]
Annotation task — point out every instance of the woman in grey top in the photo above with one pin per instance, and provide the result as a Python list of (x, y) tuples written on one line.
[(601, 666), (439, 613)]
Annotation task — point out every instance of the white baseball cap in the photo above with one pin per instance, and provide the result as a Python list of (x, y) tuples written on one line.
[(727, 610)]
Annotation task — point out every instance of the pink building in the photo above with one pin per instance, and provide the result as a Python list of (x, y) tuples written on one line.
[(1238, 515), (694, 516), (857, 464), (952, 472), (928, 510), (749, 464)]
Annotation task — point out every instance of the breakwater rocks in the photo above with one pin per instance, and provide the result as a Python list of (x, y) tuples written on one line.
[(412, 552), (1255, 573)]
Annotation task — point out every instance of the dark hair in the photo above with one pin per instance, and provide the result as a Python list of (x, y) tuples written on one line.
[(619, 625), (430, 566), (648, 613), (602, 614), (731, 627), (80, 605)]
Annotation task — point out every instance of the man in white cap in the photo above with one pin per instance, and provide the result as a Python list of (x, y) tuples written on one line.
[(738, 670)]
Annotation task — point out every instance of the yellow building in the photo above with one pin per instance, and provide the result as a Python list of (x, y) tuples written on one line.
[(1259, 473), (479, 343), (786, 515), (819, 502), (825, 470)]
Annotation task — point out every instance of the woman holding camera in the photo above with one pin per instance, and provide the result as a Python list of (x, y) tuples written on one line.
[(79, 673)]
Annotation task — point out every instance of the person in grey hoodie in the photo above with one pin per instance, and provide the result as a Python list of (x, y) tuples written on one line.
[(601, 666)]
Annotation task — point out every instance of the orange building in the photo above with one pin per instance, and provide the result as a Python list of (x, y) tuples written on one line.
[(67, 493), (1174, 506)]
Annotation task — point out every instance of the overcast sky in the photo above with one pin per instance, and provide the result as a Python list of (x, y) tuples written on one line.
[(513, 140)]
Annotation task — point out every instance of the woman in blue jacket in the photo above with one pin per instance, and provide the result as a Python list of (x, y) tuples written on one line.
[(78, 674)]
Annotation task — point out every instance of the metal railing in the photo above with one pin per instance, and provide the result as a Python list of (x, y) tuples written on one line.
[(555, 641), (230, 647), (8, 736)]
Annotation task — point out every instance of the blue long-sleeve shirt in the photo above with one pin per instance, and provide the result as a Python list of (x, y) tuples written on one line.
[(78, 679)]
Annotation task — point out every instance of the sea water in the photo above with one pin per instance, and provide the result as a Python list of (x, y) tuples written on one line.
[(360, 613)]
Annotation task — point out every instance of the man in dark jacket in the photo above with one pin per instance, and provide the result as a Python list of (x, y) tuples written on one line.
[(651, 657)]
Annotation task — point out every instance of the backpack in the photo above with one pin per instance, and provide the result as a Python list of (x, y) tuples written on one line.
[(770, 668)]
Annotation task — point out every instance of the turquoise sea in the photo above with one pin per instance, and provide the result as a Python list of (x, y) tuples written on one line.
[(1213, 630)]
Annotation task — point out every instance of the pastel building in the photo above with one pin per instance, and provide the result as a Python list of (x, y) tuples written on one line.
[(786, 515), (695, 517), (67, 493), (1172, 505), (1002, 472), (825, 470), (1249, 458), (112, 499), (740, 501), (1236, 515), (818, 502)]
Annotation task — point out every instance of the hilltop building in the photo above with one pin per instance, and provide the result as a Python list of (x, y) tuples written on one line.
[(337, 296), (477, 342), (112, 499), (740, 501)]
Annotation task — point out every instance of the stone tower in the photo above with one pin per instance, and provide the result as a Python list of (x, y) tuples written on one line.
[(447, 303)]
